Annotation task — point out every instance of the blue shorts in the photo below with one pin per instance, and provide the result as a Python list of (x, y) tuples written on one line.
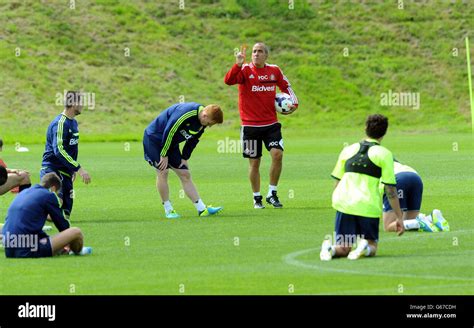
[(67, 191), (349, 227), (44, 249), (152, 150), (410, 192)]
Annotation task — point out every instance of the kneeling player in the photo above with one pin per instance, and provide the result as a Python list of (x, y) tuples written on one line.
[(410, 192), (23, 236), (178, 123), (359, 170)]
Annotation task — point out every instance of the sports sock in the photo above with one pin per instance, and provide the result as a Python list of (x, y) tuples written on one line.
[(332, 249), (255, 194), (200, 206), (168, 207), (23, 187), (270, 189), (368, 250), (411, 224)]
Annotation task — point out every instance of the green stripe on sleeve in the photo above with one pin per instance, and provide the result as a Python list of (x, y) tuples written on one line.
[(59, 141), (173, 131)]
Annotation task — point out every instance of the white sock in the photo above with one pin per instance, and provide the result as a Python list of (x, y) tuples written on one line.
[(422, 216), (332, 249), (368, 250), (255, 194), (200, 206), (270, 189), (168, 207), (411, 224)]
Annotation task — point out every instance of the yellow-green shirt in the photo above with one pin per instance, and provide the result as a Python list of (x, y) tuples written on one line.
[(357, 193)]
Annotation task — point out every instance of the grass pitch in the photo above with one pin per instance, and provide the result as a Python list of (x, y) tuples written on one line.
[(247, 251)]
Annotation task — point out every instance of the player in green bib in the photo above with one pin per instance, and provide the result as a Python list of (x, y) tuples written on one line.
[(357, 197)]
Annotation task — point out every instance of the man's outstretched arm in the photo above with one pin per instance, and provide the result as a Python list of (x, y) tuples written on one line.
[(391, 193), (235, 74)]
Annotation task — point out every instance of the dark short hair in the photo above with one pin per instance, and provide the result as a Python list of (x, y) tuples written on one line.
[(376, 126), (73, 98), (1, 143), (51, 179), (3, 175)]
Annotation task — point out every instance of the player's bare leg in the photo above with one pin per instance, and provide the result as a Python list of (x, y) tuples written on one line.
[(72, 238), (187, 183), (191, 191), (412, 220), (276, 166), (164, 191), (254, 176), (162, 184), (15, 180), (275, 172)]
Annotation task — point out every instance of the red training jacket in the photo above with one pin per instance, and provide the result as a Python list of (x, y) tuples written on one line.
[(257, 89)]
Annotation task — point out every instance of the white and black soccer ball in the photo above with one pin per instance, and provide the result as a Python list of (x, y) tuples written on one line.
[(282, 102)]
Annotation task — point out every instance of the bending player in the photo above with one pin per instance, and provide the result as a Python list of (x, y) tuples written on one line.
[(26, 217), (410, 192), (176, 124)]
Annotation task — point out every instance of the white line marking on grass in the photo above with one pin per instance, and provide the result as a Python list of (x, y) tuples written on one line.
[(291, 259)]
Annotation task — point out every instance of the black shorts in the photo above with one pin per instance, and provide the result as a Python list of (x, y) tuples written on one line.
[(253, 136)]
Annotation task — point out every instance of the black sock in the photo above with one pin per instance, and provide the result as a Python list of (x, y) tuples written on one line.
[(25, 186)]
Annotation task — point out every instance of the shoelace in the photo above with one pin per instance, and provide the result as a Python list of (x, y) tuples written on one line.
[(274, 199)]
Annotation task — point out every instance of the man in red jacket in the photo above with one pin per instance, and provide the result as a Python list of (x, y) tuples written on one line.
[(257, 88)]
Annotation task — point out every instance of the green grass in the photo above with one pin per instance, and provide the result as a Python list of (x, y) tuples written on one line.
[(187, 52), (277, 248)]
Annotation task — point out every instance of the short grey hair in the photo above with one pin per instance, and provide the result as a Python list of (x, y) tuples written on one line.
[(265, 47)]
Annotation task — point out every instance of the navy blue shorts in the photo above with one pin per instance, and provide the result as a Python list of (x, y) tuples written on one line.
[(410, 192), (152, 152), (67, 191), (44, 249), (349, 227)]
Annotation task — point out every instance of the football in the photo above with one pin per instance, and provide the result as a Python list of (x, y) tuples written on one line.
[(283, 102)]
